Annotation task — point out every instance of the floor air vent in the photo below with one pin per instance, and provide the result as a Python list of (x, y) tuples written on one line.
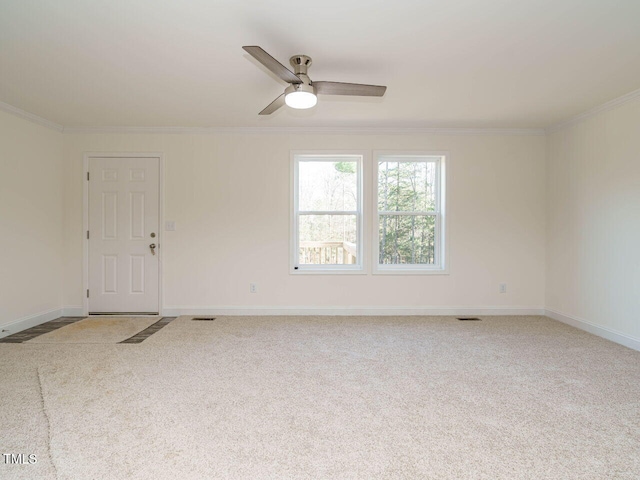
[(204, 319), (469, 319)]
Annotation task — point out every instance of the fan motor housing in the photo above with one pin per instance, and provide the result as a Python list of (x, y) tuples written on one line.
[(300, 64), (300, 87)]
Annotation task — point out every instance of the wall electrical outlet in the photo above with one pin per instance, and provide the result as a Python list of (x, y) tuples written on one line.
[(253, 288), (503, 288), (170, 226)]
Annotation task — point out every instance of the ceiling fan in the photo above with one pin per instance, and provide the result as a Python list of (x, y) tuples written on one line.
[(301, 93)]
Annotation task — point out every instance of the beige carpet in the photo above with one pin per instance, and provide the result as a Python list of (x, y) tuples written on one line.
[(97, 330), (327, 397)]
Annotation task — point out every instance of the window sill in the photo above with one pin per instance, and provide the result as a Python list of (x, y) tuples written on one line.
[(327, 271), (410, 271)]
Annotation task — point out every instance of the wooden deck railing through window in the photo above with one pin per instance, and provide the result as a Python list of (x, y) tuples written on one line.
[(330, 253)]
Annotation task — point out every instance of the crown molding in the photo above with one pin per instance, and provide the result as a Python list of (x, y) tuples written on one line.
[(323, 130), (31, 117), (610, 105), (308, 130)]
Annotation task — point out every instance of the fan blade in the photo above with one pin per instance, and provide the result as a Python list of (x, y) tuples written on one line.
[(339, 88), (272, 64), (273, 106)]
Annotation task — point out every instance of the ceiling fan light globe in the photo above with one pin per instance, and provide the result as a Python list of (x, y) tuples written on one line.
[(301, 100)]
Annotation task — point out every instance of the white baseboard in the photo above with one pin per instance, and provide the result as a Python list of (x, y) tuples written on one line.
[(30, 321), (175, 311), (603, 332)]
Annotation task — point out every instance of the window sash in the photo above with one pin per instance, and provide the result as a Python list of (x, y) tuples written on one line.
[(410, 213), (328, 212), (297, 267), (438, 264)]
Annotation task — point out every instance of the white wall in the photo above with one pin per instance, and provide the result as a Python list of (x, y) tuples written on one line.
[(593, 222), (229, 195), (31, 213)]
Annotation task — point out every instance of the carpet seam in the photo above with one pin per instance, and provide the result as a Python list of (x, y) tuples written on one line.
[(46, 416)]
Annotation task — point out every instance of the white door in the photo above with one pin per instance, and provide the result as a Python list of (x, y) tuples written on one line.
[(123, 231)]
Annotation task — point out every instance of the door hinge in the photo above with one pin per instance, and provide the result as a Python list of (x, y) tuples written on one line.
[(87, 293), (87, 176), (87, 234)]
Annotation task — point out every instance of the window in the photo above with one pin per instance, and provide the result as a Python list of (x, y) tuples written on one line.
[(409, 214), (327, 213)]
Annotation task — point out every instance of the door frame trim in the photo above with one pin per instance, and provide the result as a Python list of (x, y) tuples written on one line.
[(85, 219)]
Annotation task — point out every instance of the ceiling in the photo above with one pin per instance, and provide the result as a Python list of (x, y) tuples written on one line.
[(447, 63)]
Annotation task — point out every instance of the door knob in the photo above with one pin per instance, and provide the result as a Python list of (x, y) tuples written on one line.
[(153, 248)]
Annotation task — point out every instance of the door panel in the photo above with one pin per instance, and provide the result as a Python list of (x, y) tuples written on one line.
[(123, 216)]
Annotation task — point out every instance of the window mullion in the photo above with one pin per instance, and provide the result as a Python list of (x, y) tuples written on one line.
[(327, 212), (415, 214)]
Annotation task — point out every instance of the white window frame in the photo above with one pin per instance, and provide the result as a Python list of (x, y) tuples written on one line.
[(441, 265), (360, 158)]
